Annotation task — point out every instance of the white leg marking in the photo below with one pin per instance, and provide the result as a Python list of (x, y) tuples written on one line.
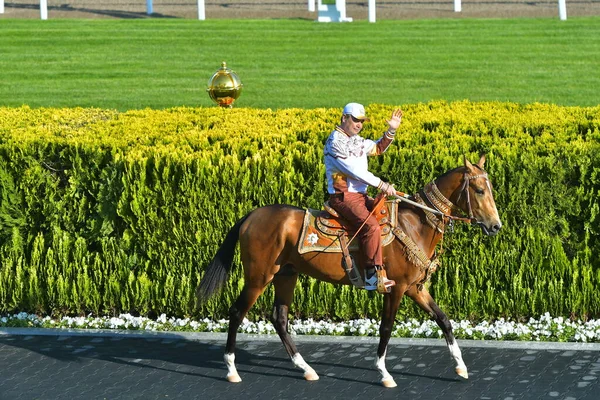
[(232, 374), (386, 378), (461, 368), (309, 373)]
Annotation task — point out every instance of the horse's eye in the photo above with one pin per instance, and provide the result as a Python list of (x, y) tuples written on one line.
[(478, 190)]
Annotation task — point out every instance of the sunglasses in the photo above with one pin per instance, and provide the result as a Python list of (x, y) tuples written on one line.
[(356, 119)]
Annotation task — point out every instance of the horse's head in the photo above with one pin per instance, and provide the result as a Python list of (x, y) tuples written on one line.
[(471, 192)]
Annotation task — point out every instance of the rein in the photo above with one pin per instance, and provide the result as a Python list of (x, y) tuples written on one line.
[(443, 206), (404, 197), (445, 215)]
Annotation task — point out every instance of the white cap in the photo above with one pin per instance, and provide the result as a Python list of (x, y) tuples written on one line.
[(356, 110)]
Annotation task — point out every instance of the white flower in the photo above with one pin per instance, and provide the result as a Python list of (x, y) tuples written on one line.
[(543, 329)]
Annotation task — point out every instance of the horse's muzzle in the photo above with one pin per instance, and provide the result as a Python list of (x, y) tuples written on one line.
[(492, 229)]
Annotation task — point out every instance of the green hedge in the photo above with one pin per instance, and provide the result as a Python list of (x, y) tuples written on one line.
[(107, 212)]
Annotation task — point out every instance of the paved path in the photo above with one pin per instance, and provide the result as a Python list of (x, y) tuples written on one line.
[(50, 364)]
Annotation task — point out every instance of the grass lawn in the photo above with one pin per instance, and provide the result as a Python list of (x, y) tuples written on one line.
[(132, 64)]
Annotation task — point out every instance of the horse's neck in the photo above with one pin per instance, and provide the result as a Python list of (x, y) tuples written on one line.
[(449, 186), (413, 222)]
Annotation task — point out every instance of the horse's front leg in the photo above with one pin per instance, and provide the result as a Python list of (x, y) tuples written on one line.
[(426, 302), (391, 302)]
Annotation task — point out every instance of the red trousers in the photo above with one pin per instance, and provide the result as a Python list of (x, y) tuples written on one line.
[(356, 208)]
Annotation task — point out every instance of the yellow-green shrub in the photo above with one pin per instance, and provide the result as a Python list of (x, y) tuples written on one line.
[(106, 212)]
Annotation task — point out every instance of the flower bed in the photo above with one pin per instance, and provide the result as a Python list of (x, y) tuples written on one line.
[(546, 328)]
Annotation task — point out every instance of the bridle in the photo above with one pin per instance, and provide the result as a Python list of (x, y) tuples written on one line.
[(465, 189)]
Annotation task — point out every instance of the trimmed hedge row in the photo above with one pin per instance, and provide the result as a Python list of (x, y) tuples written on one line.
[(107, 212)]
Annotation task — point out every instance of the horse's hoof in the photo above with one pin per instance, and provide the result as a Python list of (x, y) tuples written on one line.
[(389, 383), (462, 372), (234, 378), (311, 376)]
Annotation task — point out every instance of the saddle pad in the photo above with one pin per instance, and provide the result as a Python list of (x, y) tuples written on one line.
[(312, 239)]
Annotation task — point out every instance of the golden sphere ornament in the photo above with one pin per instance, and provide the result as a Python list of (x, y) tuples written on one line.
[(224, 87)]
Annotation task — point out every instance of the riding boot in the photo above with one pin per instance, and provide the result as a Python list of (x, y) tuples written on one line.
[(376, 279)]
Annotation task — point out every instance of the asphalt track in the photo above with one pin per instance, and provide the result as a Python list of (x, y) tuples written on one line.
[(83, 364)]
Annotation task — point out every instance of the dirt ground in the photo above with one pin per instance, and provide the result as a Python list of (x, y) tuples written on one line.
[(356, 9)]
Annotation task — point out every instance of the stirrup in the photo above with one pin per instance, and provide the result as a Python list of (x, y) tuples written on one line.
[(379, 281), (384, 285)]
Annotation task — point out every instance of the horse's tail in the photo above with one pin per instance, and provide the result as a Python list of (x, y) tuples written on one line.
[(218, 270)]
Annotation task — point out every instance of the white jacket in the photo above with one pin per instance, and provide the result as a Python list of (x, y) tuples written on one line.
[(346, 163)]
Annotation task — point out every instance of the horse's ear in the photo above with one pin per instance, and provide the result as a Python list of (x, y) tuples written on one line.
[(468, 164), (481, 161)]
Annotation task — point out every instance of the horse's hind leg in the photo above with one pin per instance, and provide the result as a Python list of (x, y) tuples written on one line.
[(237, 312), (426, 302), (285, 282)]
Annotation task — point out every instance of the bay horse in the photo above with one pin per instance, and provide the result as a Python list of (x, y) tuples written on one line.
[(269, 236)]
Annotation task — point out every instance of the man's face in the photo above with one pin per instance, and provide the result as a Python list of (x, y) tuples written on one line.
[(352, 126)]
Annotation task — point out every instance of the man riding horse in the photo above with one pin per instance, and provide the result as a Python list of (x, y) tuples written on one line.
[(348, 178), (270, 240)]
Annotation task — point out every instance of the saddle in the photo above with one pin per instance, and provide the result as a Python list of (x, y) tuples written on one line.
[(326, 231), (330, 222), (322, 228)]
